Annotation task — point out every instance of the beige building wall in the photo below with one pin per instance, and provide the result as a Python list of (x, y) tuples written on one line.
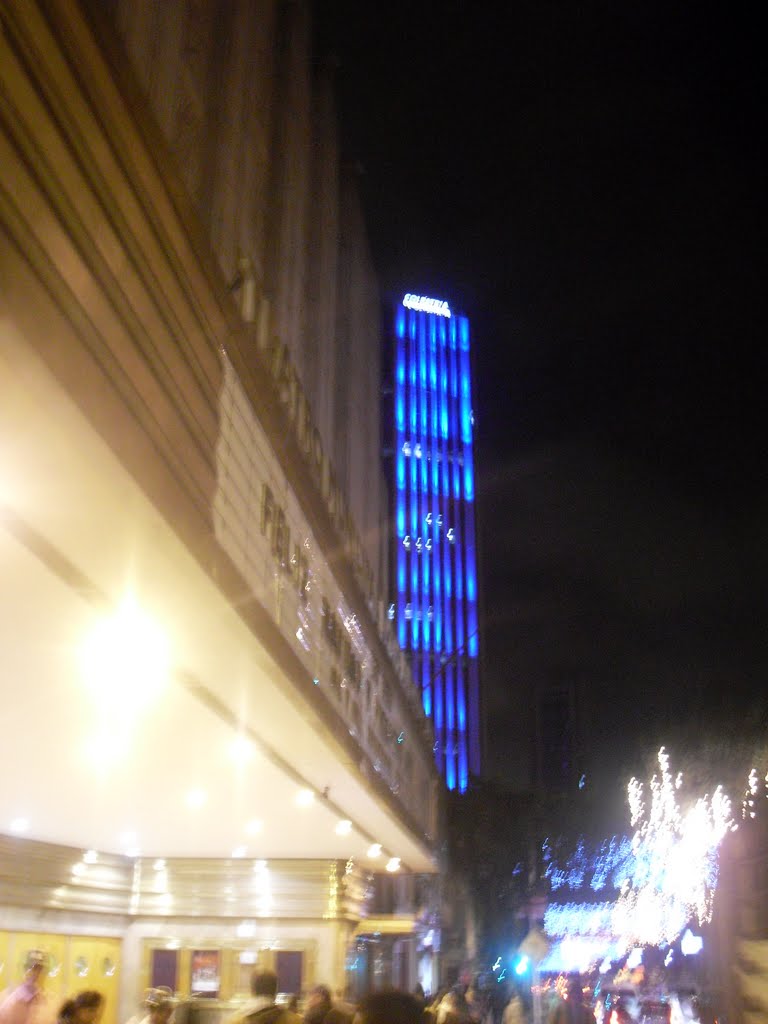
[(324, 247), (358, 374), (249, 116), (208, 72)]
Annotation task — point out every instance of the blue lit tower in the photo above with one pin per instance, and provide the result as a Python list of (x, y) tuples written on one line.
[(435, 565)]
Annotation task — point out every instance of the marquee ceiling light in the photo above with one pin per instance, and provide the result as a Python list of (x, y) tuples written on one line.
[(343, 827), (195, 798), (241, 750), (254, 826), (130, 844), (393, 864), (374, 850), (19, 825), (305, 798), (125, 659), (110, 743)]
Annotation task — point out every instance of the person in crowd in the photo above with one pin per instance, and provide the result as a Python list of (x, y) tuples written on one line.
[(26, 1004), (159, 1004), (318, 1004), (453, 1007), (321, 1008), (262, 1008), (420, 994), (514, 1011), (498, 997), (475, 1002), (389, 1007), (572, 1010), (342, 1004), (85, 1008), (424, 1001)]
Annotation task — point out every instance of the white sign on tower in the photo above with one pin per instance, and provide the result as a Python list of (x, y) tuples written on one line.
[(426, 305)]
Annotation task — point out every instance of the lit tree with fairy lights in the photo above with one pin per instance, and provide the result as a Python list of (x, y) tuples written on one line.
[(675, 860), (654, 884)]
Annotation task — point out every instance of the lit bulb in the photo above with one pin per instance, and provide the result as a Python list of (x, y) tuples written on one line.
[(241, 750), (125, 659), (195, 799)]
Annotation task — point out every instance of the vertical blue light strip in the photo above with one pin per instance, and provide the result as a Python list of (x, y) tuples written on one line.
[(439, 740), (471, 588), (443, 382), (400, 479), (450, 737), (413, 491), (400, 324), (426, 687), (454, 425), (461, 724)]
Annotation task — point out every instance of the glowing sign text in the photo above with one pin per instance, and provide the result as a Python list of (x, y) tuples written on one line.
[(426, 305)]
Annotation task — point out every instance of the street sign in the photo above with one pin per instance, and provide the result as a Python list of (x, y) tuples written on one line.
[(535, 946)]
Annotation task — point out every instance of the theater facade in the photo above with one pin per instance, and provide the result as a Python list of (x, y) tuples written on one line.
[(212, 749)]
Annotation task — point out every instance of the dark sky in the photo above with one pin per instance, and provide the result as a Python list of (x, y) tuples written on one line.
[(586, 181)]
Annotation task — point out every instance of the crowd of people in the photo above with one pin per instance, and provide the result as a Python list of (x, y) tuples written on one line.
[(461, 1004)]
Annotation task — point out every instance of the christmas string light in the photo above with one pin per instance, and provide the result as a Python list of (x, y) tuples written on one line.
[(748, 803), (675, 861), (664, 877), (602, 868)]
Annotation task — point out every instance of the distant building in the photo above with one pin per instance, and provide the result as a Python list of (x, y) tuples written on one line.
[(435, 560), (555, 738), (738, 956)]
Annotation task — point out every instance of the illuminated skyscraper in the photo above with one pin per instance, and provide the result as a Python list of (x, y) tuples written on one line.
[(435, 563)]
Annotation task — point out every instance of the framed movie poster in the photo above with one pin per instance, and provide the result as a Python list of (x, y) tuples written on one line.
[(205, 973)]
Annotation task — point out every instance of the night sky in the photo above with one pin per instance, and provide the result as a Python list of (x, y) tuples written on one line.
[(586, 182)]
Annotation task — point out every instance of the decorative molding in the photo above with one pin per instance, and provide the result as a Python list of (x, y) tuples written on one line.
[(56, 878)]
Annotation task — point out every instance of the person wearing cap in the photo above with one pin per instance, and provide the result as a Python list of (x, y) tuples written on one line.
[(26, 1004), (159, 1003), (261, 1007)]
